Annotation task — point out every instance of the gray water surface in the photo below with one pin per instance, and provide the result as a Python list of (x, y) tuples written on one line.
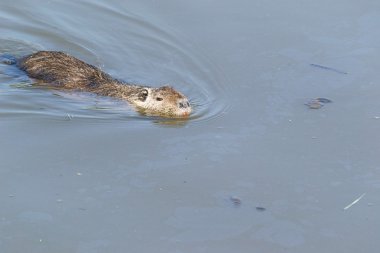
[(253, 170)]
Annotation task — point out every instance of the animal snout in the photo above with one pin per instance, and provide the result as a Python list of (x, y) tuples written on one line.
[(183, 104)]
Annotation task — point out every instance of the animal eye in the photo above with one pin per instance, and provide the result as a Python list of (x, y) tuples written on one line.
[(143, 95), (159, 99)]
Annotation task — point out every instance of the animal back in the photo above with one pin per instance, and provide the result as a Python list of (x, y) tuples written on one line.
[(61, 70)]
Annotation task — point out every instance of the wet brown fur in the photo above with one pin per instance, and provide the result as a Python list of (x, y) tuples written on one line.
[(63, 71)]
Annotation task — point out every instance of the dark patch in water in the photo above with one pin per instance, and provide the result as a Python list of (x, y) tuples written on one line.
[(318, 103), (236, 201), (324, 100), (328, 68), (8, 59)]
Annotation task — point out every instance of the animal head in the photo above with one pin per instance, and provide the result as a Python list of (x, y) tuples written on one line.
[(163, 101)]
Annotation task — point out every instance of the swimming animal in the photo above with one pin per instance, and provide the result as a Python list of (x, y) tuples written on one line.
[(60, 70)]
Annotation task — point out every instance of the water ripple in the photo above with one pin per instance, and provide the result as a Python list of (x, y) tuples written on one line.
[(155, 55)]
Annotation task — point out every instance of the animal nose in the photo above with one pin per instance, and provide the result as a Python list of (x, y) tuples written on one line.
[(183, 104)]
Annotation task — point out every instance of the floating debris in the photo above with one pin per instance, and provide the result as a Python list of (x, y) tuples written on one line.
[(328, 68), (235, 200), (354, 202), (69, 117), (324, 100), (97, 108), (318, 103), (314, 104), (260, 208)]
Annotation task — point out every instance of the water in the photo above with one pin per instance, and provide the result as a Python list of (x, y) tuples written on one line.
[(81, 173)]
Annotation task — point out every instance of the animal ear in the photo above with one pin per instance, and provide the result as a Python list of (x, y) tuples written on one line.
[(143, 94), (166, 88)]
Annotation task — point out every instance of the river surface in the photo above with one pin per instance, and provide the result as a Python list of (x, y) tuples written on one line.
[(252, 170)]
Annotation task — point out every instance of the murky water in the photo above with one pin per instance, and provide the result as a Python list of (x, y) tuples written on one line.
[(253, 170)]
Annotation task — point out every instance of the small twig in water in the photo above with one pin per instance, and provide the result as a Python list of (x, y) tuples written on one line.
[(354, 202), (69, 117), (328, 68)]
